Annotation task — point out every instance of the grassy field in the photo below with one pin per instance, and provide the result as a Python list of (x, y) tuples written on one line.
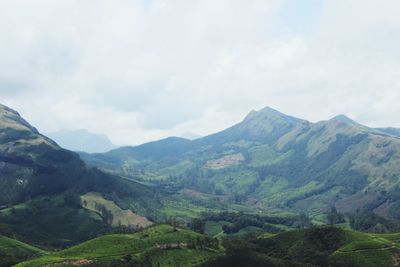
[(370, 250), (91, 201), (13, 251), (215, 228), (156, 246)]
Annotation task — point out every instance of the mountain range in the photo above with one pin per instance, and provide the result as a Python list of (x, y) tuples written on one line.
[(272, 160), (254, 183)]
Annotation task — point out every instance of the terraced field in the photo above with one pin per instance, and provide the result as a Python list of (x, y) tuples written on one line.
[(160, 245), (164, 245), (370, 250)]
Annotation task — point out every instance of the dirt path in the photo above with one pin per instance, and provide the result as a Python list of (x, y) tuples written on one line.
[(366, 249)]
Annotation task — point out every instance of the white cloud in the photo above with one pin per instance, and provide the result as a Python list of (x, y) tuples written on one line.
[(139, 70)]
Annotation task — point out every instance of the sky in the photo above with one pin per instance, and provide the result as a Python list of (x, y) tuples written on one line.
[(141, 70)]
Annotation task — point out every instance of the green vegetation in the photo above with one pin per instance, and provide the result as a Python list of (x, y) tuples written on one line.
[(272, 161), (215, 228), (51, 222), (160, 245), (370, 222), (13, 251), (321, 246), (255, 190), (251, 259), (368, 250), (165, 245), (41, 185), (111, 213), (233, 222)]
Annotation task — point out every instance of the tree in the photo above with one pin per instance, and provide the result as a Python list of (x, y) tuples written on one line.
[(173, 223), (303, 221), (198, 225), (105, 213), (239, 198), (72, 200), (127, 258), (334, 217)]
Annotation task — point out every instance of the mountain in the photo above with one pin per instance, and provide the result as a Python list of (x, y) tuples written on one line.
[(49, 197), (245, 190), (274, 161), (82, 140), (32, 164), (265, 125)]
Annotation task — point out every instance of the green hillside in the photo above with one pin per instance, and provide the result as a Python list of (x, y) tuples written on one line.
[(369, 250), (13, 251), (273, 161), (41, 185), (322, 246), (250, 188), (51, 221), (160, 245), (164, 245)]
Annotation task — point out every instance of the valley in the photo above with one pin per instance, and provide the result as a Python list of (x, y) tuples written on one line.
[(169, 133), (272, 190)]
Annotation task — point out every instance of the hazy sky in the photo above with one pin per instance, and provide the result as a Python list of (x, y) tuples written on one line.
[(139, 70)]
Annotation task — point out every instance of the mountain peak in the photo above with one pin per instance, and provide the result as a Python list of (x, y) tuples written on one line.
[(10, 118), (344, 119), (270, 114)]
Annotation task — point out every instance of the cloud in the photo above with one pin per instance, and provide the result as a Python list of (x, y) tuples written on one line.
[(139, 70)]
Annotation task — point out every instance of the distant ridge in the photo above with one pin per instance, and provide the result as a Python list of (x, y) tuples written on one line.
[(82, 140), (344, 118)]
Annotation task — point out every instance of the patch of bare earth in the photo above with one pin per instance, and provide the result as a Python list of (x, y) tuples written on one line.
[(135, 219), (396, 259), (120, 217), (224, 162), (172, 246), (199, 195), (78, 262)]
